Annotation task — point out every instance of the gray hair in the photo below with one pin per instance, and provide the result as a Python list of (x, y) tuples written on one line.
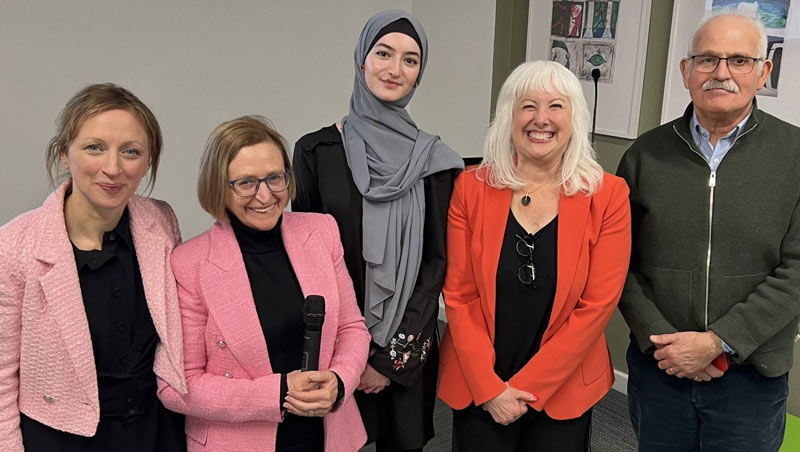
[(580, 171), (751, 16)]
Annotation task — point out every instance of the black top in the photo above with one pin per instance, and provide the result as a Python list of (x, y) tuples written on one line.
[(124, 341), (522, 311), (279, 304), (402, 413), (325, 184)]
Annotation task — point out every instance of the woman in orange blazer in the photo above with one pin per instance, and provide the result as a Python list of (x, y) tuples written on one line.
[(538, 242)]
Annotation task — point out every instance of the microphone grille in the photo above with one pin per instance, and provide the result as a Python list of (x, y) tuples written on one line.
[(314, 310)]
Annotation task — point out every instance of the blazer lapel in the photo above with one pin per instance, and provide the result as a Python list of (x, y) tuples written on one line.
[(153, 249), (229, 299), (62, 291), (308, 260), (494, 217), (152, 252), (572, 216)]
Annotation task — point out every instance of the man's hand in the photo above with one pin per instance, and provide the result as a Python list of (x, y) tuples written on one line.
[(509, 406), (707, 374), (686, 353)]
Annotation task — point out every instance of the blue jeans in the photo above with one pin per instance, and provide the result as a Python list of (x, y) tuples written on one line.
[(741, 411)]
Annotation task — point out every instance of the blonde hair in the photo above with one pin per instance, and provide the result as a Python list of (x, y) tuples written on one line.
[(91, 101), (222, 147), (580, 171)]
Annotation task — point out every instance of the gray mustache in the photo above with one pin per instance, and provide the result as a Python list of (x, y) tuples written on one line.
[(727, 85)]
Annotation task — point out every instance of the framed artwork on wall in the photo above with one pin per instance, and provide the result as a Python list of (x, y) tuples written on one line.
[(607, 35)]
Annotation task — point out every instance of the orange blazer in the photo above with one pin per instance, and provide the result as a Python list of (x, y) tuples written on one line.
[(572, 369)]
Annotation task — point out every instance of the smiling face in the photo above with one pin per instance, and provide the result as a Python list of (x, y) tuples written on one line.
[(392, 66), (542, 127), (262, 210), (720, 94), (106, 161)]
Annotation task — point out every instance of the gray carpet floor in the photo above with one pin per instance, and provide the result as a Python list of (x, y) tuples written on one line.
[(611, 427)]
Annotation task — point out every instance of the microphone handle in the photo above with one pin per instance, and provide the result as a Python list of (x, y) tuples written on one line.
[(311, 340)]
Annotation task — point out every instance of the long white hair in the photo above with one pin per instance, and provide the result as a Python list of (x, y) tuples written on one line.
[(580, 171)]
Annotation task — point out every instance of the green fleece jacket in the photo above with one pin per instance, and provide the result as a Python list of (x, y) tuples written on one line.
[(720, 250)]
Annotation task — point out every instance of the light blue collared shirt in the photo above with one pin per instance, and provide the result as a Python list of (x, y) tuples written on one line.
[(701, 137)]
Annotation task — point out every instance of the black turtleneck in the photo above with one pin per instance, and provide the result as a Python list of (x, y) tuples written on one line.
[(279, 304), (276, 292)]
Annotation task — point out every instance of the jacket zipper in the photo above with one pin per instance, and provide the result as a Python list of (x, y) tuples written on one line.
[(712, 182)]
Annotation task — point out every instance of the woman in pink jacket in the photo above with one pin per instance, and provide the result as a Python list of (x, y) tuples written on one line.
[(88, 305), (242, 286)]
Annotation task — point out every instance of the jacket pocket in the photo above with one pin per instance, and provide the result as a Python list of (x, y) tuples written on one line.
[(196, 429), (737, 288), (671, 287), (597, 363)]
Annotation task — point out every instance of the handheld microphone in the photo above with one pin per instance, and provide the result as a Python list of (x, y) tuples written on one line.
[(313, 317), (596, 77)]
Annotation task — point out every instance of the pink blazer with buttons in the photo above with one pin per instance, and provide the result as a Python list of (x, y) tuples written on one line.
[(47, 368), (233, 399)]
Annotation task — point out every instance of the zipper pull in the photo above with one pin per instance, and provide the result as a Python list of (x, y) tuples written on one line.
[(712, 180)]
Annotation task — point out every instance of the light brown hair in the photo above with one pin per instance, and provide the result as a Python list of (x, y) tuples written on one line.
[(91, 101), (222, 147)]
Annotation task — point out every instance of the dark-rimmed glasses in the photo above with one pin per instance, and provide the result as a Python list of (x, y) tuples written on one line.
[(739, 65), (527, 272), (248, 186)]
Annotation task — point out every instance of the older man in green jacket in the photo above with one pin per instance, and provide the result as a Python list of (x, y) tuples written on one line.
[(713, 293)]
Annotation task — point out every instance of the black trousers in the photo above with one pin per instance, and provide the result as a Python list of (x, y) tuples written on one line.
[(475, 430)]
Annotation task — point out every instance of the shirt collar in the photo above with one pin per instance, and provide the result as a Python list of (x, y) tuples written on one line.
[(95, 259), (695, 125)]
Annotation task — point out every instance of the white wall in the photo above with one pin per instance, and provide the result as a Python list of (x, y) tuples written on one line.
[(198, 63)]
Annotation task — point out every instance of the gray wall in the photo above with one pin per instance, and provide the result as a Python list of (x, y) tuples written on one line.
[(198, 63)]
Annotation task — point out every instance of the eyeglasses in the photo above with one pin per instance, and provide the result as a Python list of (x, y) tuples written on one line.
[(249, 186), (736, 64), (527, 272)]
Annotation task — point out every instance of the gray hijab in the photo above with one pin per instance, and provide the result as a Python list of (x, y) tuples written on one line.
[(389, 157)]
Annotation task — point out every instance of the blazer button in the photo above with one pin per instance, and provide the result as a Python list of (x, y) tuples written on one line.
[(221, 344), (48, 399), (227, 375)]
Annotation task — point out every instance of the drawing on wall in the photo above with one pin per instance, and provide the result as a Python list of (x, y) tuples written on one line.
[(597, 56), (567, 52), (774, 15), (567, 19), (607, 35), (600, 19), (774, 53), (583, 36)]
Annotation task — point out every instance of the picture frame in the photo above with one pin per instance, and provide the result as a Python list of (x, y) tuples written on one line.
[(609, 35)]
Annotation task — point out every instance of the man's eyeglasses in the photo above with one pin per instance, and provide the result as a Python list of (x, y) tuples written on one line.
[(736, 64), (249, 186), (527, 272)]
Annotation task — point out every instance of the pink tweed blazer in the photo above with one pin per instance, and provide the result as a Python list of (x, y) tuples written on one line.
[(47, 368), (233, 399)]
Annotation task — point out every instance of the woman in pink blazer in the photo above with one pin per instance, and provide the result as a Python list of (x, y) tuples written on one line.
[(241, 286), (88, 305)]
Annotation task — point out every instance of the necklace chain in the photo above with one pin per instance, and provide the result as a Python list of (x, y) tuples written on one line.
[(526, 199)]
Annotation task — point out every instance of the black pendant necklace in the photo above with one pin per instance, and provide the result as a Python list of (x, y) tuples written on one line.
[(526, 199)]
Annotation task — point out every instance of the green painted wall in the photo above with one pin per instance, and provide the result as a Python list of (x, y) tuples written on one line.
[(511, 34)]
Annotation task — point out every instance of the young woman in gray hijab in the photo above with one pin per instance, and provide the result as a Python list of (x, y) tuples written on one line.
[(388, 185)]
